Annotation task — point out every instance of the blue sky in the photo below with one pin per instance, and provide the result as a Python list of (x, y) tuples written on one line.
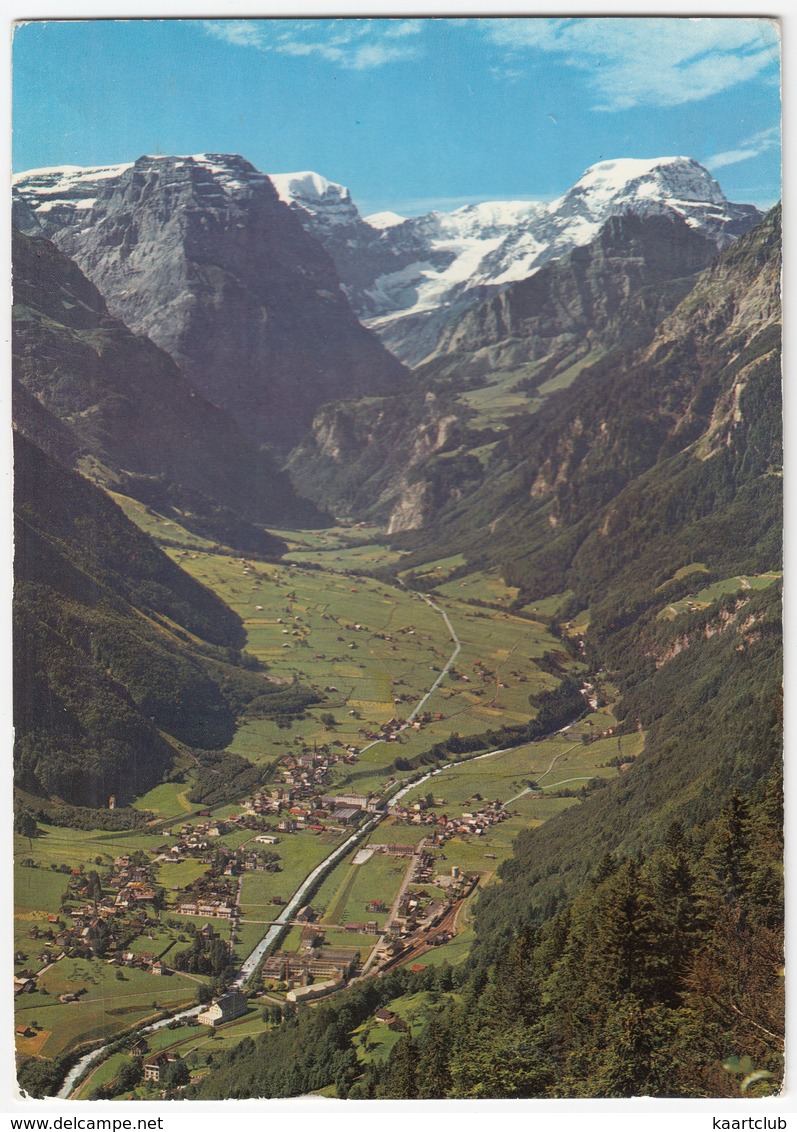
[(411, 114)]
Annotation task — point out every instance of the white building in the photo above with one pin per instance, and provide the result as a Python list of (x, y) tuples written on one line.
[(224, 1009)]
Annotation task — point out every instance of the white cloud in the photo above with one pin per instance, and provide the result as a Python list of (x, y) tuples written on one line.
[(376, 54), (661, 61), (356, 44), (400, 29), (750, 147), (240, 33)]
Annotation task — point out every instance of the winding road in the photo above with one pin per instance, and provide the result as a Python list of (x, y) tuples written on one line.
[(250, 964)]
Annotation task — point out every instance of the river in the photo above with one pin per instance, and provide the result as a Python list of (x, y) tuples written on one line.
[(253, 959), (251, 962)]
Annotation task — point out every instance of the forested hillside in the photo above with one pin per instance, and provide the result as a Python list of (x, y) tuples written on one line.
[(120, 656)]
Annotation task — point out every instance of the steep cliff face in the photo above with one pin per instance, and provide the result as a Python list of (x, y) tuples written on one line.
[(397, 461), (126, 404), (735, 302), (411, 278), (199, 254), (575, 305)]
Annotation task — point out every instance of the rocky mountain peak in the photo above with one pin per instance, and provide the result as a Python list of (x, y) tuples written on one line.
[(311, 191), (626, 182), (200, 254), (385, 219)]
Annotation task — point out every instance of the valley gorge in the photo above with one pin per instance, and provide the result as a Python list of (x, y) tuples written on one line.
[(470, 522)]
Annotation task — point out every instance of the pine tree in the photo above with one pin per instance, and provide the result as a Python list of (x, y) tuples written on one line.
[(433, 1073), (401, 1079)]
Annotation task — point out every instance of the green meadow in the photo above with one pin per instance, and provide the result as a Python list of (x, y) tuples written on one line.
[(371, 651), (106, 1007), (481, 586), (373, 1040), (327, 630), (301, 852), (168, 800), (345, 893), (703, 598)]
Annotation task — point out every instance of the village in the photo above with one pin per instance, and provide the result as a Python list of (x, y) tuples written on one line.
[(106, 908), (172, 916)]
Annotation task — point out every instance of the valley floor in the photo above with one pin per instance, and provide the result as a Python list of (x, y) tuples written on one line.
[(396, 674)]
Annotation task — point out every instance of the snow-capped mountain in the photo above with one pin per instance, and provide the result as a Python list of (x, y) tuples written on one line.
[(459, 241), (56, 196), (406, 278), (664, 185), (328, 203), (362, 251), (452, 260), (386, 219)]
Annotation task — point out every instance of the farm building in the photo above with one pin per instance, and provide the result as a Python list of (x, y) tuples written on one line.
[(155, 1066)]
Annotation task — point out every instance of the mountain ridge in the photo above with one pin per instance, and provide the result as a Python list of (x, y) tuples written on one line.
[(404, 279), (464, 254), (199, 254)]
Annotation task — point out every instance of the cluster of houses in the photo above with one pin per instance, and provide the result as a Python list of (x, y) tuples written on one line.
[(387, 732), (192, 842), (98, 917), (223, 1009), (303, 808), (300, 787), (444, 826), (214, 895), (416, 912), (130, 884), (303, 774)]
